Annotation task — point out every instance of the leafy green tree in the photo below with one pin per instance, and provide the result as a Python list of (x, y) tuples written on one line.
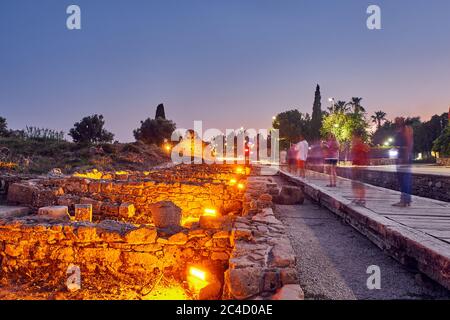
[(154, 131), (378, 117), (3, 127), (291, 124), (160, 113), (316, 118), (342, 125), (442, 143), (90, 130)]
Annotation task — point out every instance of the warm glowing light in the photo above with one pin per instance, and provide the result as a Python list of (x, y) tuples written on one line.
[(239, 170), (196, 279), (187, 221), (168, 148), (121, 172), (209, 212), (233, 181), (241, 186), (196, 272)]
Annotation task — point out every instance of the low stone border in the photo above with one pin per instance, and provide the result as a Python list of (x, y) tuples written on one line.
[(262, 263), (408, 246)]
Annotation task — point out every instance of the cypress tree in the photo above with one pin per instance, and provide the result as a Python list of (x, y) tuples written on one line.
[(316, 119), (160, 112)]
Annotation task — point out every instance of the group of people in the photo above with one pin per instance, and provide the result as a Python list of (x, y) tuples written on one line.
[(297, 157)]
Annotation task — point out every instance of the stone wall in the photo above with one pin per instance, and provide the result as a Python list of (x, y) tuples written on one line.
[(423, 185), (262, 264), (109, 254), (443, 162), (107, 195)]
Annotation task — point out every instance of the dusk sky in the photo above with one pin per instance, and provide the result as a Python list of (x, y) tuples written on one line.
[(230, 63)]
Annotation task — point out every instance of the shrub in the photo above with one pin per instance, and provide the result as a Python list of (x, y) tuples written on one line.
[(90, 130)]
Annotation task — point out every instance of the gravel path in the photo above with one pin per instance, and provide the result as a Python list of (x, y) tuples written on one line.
[(333, 259)]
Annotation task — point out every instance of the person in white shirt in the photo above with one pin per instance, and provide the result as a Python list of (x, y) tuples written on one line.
[(302, 154)]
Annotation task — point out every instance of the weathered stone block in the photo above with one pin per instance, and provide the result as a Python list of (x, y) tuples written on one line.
[(178, 239), (290, 195), (289, 292), (165, 214), (57, 212), (21, 193), (83, 212), (243, 283), (127, 210), (141, 235)]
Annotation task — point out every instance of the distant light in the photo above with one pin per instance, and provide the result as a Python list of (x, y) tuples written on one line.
[(233, 181), (386, 143), (391, 140), (274, 118), (336, 125), (393, 153), (330, 99), (241, 186), (239, 170)]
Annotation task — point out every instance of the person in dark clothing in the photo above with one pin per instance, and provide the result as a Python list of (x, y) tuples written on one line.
[(360, 157), (331, 153), (404, 142)]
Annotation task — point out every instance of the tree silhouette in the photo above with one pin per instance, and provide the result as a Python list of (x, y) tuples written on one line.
[(356, 106), (316, 118), (3, 127), (160, 113), (378, 117), (90, 130)]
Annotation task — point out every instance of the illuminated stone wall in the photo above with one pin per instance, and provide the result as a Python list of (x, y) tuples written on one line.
[(192, 188), (108, 254)]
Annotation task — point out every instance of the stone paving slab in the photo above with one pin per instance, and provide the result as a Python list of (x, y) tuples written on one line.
[(12, 211), (414, 236)]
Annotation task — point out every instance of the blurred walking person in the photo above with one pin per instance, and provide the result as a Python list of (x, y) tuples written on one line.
[(360, 157), (331, 152), (404, 142), (292, 158), (302, 154)]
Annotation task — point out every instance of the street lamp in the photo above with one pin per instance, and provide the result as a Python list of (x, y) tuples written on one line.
[(331, 100)]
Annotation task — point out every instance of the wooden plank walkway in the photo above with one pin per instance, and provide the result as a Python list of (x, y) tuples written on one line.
[(418, 235)]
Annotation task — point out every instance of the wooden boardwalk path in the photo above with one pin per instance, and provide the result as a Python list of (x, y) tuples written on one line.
[(418, 236)]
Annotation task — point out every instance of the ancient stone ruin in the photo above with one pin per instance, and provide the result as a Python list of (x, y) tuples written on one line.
[(185, 232)]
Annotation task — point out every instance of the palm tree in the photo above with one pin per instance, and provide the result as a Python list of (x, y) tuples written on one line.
[(340, 107), (378, 117), (355, 104)]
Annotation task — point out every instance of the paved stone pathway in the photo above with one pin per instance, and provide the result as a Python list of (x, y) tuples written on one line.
[(333, 258)]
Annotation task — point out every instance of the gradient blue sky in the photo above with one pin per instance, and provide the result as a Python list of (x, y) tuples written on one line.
[(230, 63)]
